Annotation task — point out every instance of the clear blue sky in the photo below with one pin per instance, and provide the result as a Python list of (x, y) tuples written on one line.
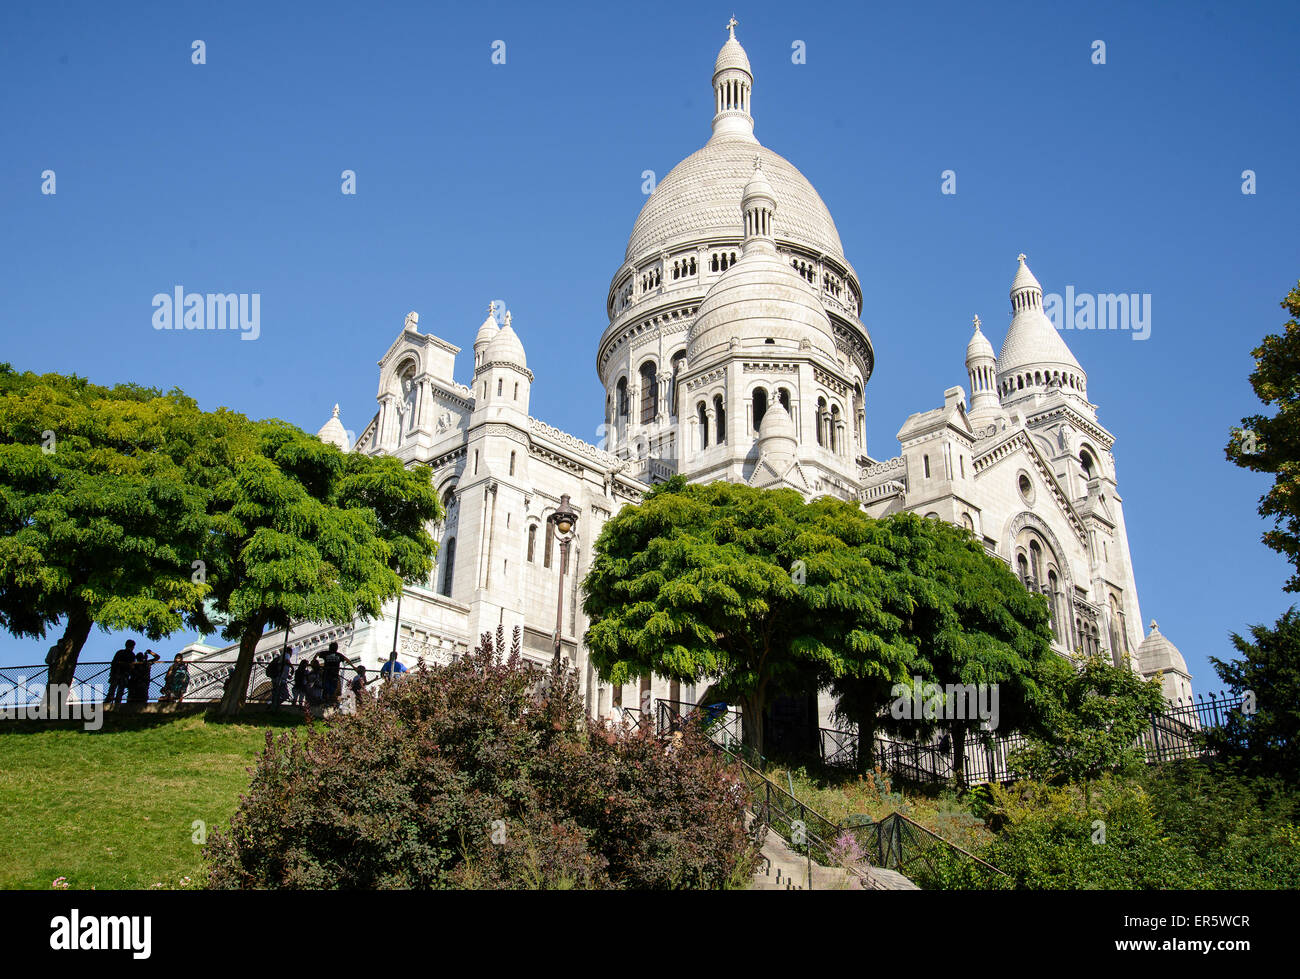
[(521, 181)]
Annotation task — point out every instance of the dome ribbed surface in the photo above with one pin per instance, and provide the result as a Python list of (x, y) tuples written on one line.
[(700, 199), (506, 346), (979, 347), (759, 298), (732, 55)]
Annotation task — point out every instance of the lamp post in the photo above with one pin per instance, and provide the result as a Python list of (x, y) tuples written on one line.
[(562, 522)]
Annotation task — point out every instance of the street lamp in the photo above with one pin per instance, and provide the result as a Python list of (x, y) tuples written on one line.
[(562, 522)]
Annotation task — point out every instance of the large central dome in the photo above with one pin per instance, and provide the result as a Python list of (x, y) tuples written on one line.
[(700, 199)]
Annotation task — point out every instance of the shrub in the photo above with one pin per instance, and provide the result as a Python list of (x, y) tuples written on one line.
[(484, 774)]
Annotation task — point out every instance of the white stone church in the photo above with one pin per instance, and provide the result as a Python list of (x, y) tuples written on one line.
[(736, 350)]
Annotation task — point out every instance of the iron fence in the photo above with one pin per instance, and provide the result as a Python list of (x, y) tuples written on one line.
[(1174, 733), (23, 687)]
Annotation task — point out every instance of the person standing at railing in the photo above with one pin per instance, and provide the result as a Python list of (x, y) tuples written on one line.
[(390, 670), (332, 662), (137, 682), (118, 672), (283, 667), (300, 684), (359, 682), (176, 682)]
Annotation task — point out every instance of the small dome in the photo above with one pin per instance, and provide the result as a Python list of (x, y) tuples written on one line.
[(333, 432), (777, 424), (506, 347), (760, 298), (979, 347), (1158, 654), (732, 55), (758, 185), (489, 329)]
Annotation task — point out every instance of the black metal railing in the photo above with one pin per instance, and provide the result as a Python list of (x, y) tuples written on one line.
[(22, 687), (904, 845), (1174, 733)]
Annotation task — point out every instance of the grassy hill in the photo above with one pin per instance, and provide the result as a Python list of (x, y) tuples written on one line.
[(116, 808)]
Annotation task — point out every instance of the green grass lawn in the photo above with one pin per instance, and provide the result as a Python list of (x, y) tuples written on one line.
[(115, 808)]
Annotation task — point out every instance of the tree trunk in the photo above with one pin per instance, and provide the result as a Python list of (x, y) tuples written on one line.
[(959, 754), (751, 728), (233, 700), (865, 722), (76, 631)]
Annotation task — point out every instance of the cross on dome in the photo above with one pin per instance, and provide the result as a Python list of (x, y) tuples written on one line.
[(507, 317), (977, 322), (1022, 258), (731, 25), (336, 411), (492, 308)]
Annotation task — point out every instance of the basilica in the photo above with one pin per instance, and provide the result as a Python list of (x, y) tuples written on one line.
[(736, 350)]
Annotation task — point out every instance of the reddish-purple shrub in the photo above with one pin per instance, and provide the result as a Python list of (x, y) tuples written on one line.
[(483, 774)]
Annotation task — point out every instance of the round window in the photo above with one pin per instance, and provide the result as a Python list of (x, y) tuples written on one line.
[(1026, 487)]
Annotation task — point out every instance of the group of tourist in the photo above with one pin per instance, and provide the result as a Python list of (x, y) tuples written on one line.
[(130, 673), (313, 683)]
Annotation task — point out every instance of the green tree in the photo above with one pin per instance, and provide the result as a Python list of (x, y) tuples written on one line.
[(753, 589), (1094, 718), (99, 525), (301, 532), (981, 632), (1271, 444), (1263, 733)]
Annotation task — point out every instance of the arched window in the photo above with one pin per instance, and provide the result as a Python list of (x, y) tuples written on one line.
[(859, 415), (835, 429), (720, 414), (1022, 569), (622, 397), (449, 566), (1086, 461), (760, 406), (704, 425), (649, 392), (546, 551), (512, 463), (821, 421), (532, 543), (1053, 593), (1036, 562), (679, 359), (783, 396)]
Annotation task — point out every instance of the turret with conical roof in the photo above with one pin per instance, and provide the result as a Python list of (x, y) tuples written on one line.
[(732, 83), (333, 432), (486, 333), (1158, 657), (982, 369), (1034, 359)]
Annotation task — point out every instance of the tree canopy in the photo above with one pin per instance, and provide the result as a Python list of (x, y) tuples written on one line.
[(1271, 443), (1263, 729), (762, 593), (301, 532), (99, 524)]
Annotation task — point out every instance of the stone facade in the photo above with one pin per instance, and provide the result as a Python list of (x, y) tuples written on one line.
[(735, 350)]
